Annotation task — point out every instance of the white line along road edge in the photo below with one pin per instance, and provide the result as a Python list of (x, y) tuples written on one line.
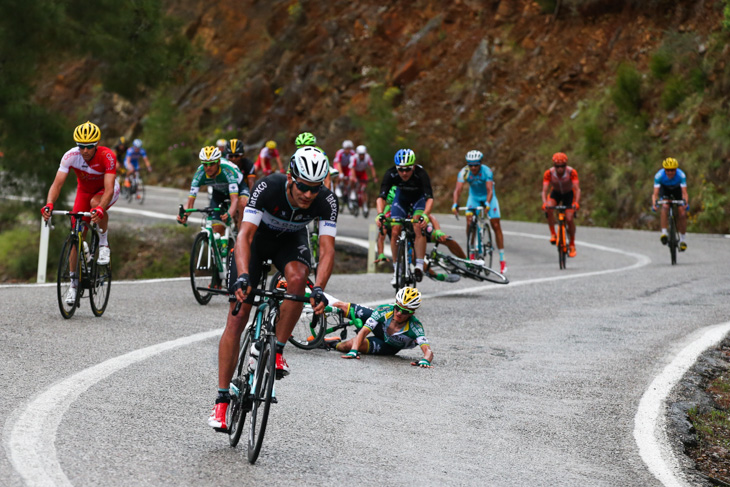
[(31, 442), (650, 421)]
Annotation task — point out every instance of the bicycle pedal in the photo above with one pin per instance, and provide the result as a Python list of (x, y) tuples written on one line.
[(274, 400)]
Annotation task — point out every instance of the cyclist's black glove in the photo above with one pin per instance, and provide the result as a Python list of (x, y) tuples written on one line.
[(241, 283), (318, 296)]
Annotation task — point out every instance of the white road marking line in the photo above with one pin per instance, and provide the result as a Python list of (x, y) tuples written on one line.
[(31, 435), (649, 422)]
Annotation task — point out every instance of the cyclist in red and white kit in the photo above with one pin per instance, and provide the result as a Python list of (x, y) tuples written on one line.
[(263, 162), (97, 190), (342, 165), (358, 170)]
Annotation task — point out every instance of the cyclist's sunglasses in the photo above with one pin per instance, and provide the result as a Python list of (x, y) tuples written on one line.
[(404, 310), (86, 146), (305, 187), (560, 165), (209, 163), (405, 169)]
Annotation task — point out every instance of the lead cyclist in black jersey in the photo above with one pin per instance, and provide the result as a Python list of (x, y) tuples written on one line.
[(274, 227)]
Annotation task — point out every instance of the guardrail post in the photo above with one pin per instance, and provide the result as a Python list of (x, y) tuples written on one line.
[(372, 242), (43, 251)]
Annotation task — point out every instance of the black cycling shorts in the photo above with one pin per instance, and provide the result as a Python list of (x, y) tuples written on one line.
[(565, 199), (670, 192), (281, 250)]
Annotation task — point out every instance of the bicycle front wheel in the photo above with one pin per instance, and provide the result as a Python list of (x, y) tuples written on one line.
[(487, 245), (100, 280), (673, 239), (140, 191), (203, 269), (262, 390), (68, 263), (240, 398), (562, 246), (401, 266), (472, 244), (309, 331)]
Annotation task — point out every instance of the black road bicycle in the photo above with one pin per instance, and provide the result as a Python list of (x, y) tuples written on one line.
[(88, 274), (405, 253), (673, 230)]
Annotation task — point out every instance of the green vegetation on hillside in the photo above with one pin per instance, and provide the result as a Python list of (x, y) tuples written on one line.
[(676, 108), (128, 45)]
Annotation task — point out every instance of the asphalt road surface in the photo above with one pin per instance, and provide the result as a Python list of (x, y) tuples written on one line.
[(534, 383)]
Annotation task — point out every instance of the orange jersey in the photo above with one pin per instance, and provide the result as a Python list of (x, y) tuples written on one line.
[(560, 184)]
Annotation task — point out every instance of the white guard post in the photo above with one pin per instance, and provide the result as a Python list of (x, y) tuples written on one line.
[(372, 242), (43, 251)]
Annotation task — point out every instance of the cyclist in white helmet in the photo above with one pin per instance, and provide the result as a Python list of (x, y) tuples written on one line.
[(480, 179)]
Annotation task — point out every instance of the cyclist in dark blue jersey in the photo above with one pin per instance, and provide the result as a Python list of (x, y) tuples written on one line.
[(131, 161), (670, 183), (413, 196)]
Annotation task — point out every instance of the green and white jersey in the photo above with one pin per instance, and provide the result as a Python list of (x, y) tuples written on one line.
[(409, 336), (226, 181)]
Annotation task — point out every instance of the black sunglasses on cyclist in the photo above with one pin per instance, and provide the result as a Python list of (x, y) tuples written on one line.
[(560, 165), (405, 169), (404, 310), (305, 187), (85, 146)]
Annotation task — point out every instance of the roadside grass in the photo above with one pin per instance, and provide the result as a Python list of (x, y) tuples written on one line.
[(712, 428)]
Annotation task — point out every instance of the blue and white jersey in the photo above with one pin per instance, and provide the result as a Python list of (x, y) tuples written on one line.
[(134, 156), (477, 182), (679, 179)]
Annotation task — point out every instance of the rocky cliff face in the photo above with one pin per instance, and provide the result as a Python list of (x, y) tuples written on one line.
[(489, 74)]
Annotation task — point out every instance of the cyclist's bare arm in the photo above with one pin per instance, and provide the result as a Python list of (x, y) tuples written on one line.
[(147, 162), (655, 197), (243, 252), (429, 206), (380, 204), (685, 196), (427, 352), (490, 191), (576, 192), (55, 190), (457, 193), (325, 266), (545, 187)]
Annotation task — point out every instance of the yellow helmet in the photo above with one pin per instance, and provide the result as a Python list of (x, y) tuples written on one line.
[(408, 298), (209, 153), (87, 133), (670, 163), (271, 144)]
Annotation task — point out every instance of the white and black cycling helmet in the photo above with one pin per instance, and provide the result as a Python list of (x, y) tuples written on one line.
[(361, 149), (209, 153), (474, 157), (137, 143), (309, 164), (348, 144), (408, 298)]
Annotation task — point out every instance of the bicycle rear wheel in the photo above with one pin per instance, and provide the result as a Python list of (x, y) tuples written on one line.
[(487, 245), (353, 206), (63, 280), (203, 270), (240, 399), (262, 389), (100, 280)]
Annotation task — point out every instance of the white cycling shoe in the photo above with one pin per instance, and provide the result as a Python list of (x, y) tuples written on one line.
[(393, 280), (104, 255), (70, 298)]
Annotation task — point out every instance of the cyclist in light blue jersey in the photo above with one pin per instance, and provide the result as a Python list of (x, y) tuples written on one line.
[(481, 193), (671, 183)]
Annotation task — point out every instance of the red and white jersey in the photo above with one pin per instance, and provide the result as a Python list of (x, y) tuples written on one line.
[(90, 176), (360, 164), (561, 184)]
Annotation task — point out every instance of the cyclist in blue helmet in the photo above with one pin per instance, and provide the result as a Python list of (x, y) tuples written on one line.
[(413, 198)]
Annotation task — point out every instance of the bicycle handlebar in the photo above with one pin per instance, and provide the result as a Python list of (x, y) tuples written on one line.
[(676, 202), (559, 207), (277, 294)]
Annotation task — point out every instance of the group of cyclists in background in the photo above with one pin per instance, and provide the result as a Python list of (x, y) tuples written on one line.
[(273, 212)]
